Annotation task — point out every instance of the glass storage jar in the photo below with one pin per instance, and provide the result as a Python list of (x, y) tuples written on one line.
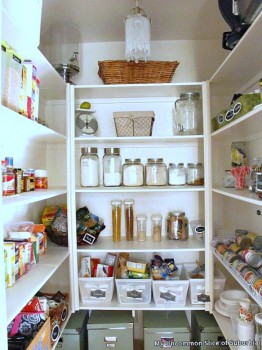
[(176, 174), (89, 167), (195, 174), (129, 218), (177, 225), (187, 114), (229, 180), (112, 167), (156, 172), (141, 227), (133, 172), (116, 219), (156, 222)]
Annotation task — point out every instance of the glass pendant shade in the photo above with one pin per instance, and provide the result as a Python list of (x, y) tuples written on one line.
[(137, 36)]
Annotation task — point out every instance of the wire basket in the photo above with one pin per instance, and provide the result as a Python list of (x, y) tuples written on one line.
[(123, 72), (139, 123)]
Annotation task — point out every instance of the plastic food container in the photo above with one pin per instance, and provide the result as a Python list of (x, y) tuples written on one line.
[(133, 291), (20, 229)]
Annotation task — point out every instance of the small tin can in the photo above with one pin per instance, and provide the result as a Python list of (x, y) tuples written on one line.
[(221, 248), (243, 241), (235, 247)]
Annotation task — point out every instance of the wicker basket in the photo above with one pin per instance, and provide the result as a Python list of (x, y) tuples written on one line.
[(123, 72), (139, 123)]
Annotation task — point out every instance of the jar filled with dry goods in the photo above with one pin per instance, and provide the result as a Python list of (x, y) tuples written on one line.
[(141, 227), (129, 218), (116, 219), (177, 225), (89, 167), (133, 172), (112, 167), (176, 174), (195, 174), (156, 172), (156, 222)]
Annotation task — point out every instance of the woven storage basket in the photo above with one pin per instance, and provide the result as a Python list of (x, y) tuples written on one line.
[(139, 123), (123, 72)]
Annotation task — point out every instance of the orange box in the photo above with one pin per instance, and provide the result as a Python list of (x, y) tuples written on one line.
[(42, 339)]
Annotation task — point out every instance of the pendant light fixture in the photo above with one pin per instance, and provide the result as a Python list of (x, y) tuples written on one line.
[(137, 35)]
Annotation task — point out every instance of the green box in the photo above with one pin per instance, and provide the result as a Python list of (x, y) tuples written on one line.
[(110, 329), (166, 329)]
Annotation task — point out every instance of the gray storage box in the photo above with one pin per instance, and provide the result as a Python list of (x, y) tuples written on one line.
[(206, 333), (110, 329), (74, 335), (164, 329)]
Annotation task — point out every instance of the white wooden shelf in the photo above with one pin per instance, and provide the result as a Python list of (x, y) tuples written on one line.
[(142, 189), (26, 130), (105, 244), (32, 197), (242, 67), (246, 128), (28, 285), (242, 195)]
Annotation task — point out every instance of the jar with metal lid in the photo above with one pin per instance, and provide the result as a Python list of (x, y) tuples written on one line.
[(112, 167), (176, 174), (195, 174), (177, 225), (156, 172), (129, 218), (156, 222), (89, 167), (133, 172), (188, 114)]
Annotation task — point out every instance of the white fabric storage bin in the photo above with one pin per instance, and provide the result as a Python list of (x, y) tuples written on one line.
[(171, 292), (96, 289), (133, 291), (197, 285)]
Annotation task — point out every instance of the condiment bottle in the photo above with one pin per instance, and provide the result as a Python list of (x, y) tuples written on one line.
[(129, 218), (8, 178), (41, 179), (133, 172), (112, 167), (156, 222), (176, 174), (156, 172), (89, 167), (116, 219), (141, 227)]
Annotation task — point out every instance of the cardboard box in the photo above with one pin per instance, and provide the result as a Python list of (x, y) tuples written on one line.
[(9, 247), (136, 266), (42, 339)]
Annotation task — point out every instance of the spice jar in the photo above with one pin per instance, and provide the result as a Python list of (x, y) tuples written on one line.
[(112, 167), (89, 167), (41, 179), (133, 172), (156, 172), (129, 218), (116, 219), (156, 222), (176, 174), (195, 174), (177, 225), (141, 227)]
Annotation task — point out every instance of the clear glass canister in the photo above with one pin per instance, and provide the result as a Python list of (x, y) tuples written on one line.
[(229, 180), (89, 167), (176, 174), (156, 172), (156, 222), (129, 218), (188, 114), (177, 225), (112, 167), (116, 219), (133, 172), (141, 227), (195, 174)]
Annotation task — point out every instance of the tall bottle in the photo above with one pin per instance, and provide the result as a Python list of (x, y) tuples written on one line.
[(116, 220)]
